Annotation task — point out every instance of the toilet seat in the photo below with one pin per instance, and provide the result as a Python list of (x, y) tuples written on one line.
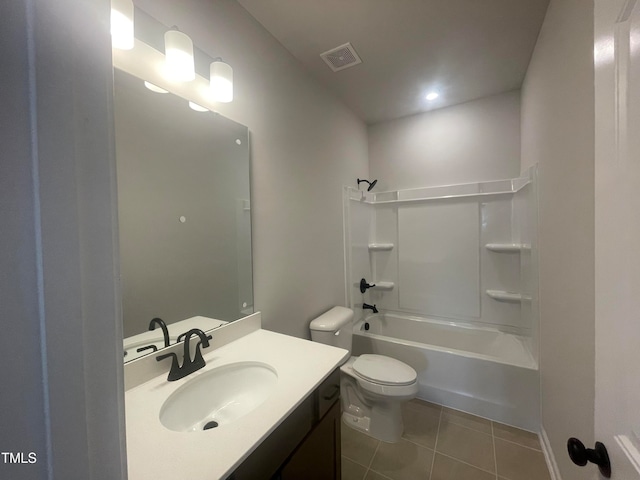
[(384, 370)]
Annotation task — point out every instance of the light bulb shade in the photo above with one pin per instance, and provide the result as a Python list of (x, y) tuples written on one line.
[(122, 24), (221, 81), (178, 49), (197, 108), (154, 88)]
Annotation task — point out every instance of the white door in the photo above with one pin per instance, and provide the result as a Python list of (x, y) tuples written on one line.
[(617, 230)]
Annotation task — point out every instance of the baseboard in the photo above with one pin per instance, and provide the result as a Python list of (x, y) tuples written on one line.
[(554, 471)]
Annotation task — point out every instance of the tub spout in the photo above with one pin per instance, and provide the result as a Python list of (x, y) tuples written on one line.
[(366, 306)]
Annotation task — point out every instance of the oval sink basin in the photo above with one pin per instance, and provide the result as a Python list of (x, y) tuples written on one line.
[(218, 397)]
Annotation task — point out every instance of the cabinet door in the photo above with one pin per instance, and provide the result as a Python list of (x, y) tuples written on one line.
[(318, 457), (267, 459)]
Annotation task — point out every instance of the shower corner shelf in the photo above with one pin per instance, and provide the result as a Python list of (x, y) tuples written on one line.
[(380, 247), (383, 286), (509, 297), (507, 247)]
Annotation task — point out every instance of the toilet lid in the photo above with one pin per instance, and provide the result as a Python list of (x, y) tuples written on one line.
[(384, 370)]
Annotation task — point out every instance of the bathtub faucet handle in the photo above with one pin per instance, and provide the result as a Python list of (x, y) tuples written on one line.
[(366, 306), (364, 285)]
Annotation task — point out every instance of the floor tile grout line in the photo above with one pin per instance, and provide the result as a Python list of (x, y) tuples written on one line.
[(366, 470), (371, 461), (378, 473), (489, 434), (374, 455), (352, 460), (519, 444), (435, 446), (413, 442), (466, 463), (492, 423), (458, 424), (495, 459)]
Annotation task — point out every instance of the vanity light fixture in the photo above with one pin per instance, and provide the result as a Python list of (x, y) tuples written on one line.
[(122, 24), (197, 108), (154, 88), (178, 49), (221, 81)]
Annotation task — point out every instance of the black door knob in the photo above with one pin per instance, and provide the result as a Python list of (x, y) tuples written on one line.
[(580, 455)]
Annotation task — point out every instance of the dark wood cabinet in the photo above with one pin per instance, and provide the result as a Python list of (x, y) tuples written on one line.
[(306, 445), (318, 457)]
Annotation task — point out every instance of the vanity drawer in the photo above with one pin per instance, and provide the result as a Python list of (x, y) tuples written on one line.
[(328, 393)]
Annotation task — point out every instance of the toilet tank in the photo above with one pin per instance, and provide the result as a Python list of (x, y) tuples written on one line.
[(333, 328)]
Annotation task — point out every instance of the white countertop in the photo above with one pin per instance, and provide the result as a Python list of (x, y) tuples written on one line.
[(155, 452)]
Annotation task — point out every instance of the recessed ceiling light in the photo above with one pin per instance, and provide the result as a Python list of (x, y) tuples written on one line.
[(432, 95), (154, 88)]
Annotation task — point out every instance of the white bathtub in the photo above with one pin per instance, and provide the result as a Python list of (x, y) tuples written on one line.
[(478, 370)]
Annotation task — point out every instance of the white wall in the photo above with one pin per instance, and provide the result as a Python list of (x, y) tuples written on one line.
[(305, 146), (558, 132), (471, 142)]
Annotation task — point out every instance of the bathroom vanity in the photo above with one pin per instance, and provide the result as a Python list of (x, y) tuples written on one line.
[(291, 430), (305, 445)]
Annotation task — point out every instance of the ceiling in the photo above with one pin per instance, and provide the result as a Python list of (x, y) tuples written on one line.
[(463, 49)]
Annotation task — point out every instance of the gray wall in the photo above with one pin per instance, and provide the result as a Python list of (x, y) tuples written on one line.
[(558, 132), (62, 385), (305, 145), (471, 142)]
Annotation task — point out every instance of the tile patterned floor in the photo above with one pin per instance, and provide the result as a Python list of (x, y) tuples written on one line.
[(444, 444)]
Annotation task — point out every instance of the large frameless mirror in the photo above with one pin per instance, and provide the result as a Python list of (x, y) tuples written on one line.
[(184, 216)]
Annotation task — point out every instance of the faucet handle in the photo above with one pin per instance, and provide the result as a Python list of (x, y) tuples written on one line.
[(153, 348), (364, 285), (174, 373), (204, 342)]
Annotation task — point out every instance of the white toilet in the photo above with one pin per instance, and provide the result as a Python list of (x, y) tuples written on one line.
[(372, 387)]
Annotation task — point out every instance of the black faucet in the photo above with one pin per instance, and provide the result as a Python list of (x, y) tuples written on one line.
[(364, 285), (163, 326), (366, 306), (188, 366)]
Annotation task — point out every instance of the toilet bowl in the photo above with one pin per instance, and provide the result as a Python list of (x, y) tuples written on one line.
[(372, 387)]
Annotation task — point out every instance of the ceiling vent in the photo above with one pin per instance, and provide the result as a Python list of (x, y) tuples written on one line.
[(341, 57)]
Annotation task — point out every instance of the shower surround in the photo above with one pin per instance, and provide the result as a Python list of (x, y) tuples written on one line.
[(455, 275)]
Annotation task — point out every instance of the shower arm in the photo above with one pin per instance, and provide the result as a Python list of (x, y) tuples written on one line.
[(371, 184)]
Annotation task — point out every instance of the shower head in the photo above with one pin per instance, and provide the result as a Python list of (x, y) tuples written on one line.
[(371, 184)]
